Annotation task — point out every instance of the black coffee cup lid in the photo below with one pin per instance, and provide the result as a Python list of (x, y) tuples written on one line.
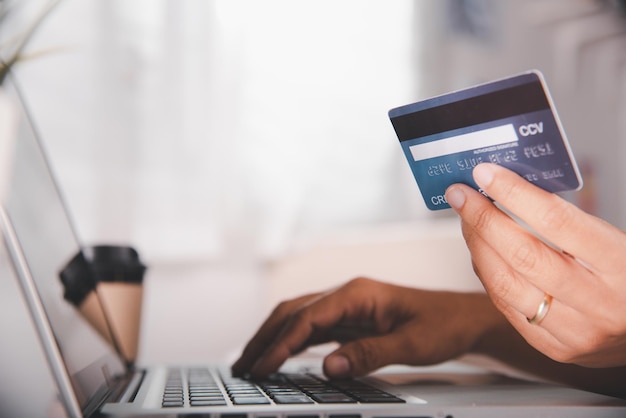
[(77, 279), (100, 263)]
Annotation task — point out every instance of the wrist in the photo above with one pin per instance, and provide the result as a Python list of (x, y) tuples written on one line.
[(493, 332)]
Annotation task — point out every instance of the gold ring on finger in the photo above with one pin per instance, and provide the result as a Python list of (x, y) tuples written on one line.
[(542, 310)]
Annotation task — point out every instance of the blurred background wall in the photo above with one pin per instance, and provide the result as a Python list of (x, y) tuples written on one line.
[(217, 129), (231, 128)]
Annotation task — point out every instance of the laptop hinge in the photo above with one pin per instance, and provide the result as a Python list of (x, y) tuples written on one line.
[(124, 387), (132, 388)]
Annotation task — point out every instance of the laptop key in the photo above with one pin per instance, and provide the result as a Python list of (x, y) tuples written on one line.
[(255, 400), (211, 402), (292, 399), (207, 398), (170, 404), (332, 398)]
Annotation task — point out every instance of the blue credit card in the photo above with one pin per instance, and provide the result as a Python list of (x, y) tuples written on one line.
[(511, 122)]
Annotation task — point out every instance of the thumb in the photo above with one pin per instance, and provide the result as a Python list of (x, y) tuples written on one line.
[(360, 357)]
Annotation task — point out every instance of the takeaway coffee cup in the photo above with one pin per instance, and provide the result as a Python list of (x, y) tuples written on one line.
[(104, 282)]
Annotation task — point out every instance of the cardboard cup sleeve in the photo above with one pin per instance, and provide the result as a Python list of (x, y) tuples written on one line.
[(104, 283)]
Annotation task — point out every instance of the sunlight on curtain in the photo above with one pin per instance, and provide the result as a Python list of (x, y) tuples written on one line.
[(226, 128)]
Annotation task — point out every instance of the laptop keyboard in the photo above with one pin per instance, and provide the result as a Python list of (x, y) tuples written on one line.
[(197, 387)]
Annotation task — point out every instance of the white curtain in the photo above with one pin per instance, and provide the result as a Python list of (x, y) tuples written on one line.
[(225, 128)]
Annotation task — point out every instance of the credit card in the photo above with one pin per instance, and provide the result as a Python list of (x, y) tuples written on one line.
[(511, 122)]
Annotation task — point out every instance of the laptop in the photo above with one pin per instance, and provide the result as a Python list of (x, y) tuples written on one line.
[(93, 380)]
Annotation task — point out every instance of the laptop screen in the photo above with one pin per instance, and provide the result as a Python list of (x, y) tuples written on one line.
[(46, 236)]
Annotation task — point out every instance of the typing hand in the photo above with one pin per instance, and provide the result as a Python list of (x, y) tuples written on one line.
[(386, 324), (575, 298)]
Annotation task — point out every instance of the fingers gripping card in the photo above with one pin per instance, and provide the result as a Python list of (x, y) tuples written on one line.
[(511, 122)]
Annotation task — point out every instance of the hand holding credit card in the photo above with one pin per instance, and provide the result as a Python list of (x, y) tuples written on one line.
[(511, 122)]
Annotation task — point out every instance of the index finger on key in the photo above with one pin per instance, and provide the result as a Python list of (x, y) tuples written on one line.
[(296, 329), (267, 333)]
